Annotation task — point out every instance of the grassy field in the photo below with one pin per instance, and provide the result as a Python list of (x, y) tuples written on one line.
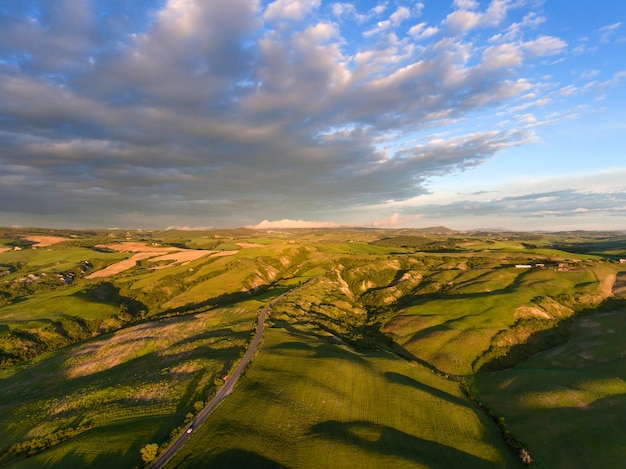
[(371, 361), (569, 402), (475, 305), (324, 405), (123, 390)]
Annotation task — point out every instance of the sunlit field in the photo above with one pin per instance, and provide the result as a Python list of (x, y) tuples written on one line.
[(393, 348)]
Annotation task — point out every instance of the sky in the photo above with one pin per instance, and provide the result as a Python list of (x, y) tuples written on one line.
[(158, 114)]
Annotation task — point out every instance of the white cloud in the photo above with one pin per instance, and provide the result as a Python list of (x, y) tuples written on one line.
[(466, 18), (501, 56), (422, 31), (286, 223), (588, 74), (395, 19), (607, 32), (396, 220), (544, 46), (466, 4), (401, 14), (568, 90), (235, 111), (290, 9), (343, 9), (463, 20)]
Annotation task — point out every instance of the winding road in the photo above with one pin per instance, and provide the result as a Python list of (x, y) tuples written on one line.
[(225, 390)]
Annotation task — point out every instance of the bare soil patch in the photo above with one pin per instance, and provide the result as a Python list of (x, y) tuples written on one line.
[(619, 286), (180, 257), (131, 246), (606, 285), (142, 251), (121, 266), (43, 241), (525, 312)]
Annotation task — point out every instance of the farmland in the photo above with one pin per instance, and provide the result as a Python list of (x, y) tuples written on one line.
[(396, 348)]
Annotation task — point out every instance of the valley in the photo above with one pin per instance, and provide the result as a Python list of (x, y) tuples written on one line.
[(396, 348)]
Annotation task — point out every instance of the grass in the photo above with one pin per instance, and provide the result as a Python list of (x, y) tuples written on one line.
[(323, 405), (48, 306), (473, 308), (326, 389), (112, 385), (57, 260), (568, 402)]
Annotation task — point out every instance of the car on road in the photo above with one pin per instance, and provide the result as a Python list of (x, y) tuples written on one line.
[(190, 429)]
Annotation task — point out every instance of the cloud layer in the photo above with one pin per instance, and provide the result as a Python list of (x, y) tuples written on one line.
[(227, 113)]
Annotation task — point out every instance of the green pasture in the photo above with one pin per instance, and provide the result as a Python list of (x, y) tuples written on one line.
[(235, 279), (123, 390), (450, 328), (567, 404), (308, 402), (149, 276), (325, 389), (57, 260), (46, 307)]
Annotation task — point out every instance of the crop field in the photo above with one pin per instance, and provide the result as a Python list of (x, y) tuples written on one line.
[(393, 348)]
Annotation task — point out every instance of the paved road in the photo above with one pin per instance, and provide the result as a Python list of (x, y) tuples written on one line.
[(224, 390)]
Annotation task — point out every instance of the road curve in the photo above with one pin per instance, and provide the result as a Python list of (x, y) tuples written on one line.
[(225, 390)]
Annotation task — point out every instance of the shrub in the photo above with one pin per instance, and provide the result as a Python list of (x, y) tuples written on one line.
[(149, 452)]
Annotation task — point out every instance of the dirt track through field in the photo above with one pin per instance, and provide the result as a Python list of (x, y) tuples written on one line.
[(606, 285)]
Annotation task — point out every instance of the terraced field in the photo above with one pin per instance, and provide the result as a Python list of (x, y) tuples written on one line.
[(403, 348)]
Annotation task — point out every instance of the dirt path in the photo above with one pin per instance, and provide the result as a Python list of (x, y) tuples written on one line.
[(606, 285), (619, 286)]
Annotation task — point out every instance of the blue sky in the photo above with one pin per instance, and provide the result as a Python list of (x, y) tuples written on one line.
[(189, 113)]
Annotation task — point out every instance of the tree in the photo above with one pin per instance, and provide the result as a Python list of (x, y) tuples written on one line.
[(525, 457), (149, 452)]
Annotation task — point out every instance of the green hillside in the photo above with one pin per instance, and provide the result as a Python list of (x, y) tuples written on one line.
[(423, 348)]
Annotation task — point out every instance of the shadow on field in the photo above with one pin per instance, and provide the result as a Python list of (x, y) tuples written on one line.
[(406, 381), (50, 376), (528, 337), (77, 460), (327, 348), (232, 458), (320, 351), (388, 441), (423, 299), (226, 299), (434, 330), (404, 353)]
